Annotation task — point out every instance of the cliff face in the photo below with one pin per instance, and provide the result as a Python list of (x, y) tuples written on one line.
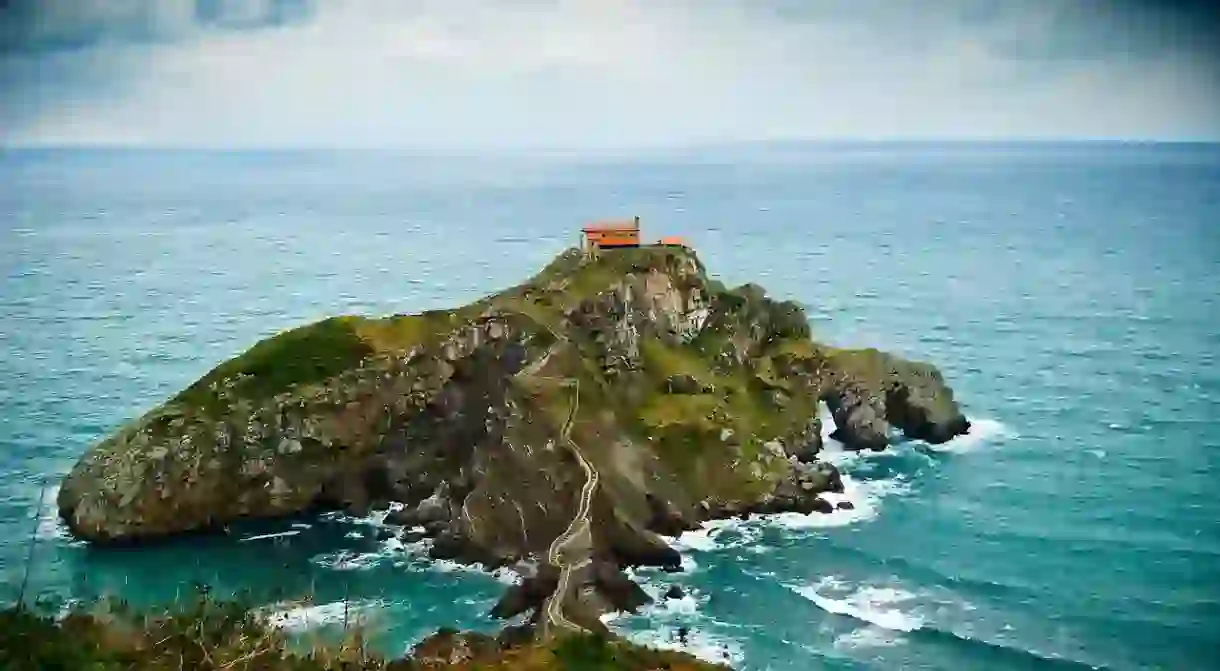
[(568, 420)]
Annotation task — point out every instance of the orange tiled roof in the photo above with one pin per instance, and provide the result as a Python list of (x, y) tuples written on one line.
[(611, 226)]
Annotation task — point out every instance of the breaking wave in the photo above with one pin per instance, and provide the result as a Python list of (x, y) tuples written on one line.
[(678, 624), (886, 607), (412, 556), (298, 619), (983, 432)]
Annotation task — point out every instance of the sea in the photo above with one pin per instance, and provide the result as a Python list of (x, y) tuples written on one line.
[(1070, 293)]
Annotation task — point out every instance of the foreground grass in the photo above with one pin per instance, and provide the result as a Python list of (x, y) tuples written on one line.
[(203, 634), (209, 635)]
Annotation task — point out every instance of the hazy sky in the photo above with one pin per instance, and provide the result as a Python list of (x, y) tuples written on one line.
[(601, 73)]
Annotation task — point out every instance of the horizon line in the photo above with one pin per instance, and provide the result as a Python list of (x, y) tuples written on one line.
[(593, 149)]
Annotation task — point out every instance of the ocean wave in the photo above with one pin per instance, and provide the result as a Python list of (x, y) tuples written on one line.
[(658, 623), (714, 535), (504, 575), (984, 432), (668, 610), (995, 653), (410, 556), (867, 637), (889, 614), (865, 496), (707, 646), (280, 534), (298, 619), (48, 525), (879, 606)]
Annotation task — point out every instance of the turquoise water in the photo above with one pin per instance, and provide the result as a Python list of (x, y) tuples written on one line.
[(1069, 293)]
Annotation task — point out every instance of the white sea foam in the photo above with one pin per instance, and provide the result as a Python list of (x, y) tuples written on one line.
[(706, 646), (663, 609), (505, 575), (879, 606), (349, 561), (868, 637), (303, 618), (375, 518), (281, 534), (410, 556), (983, 432), (49, 526), (687, 605), (660, 620), (689, 565), (865, 496), (717, 535), (390, 549)]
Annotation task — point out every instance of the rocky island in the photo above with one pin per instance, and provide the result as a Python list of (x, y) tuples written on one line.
[(570, 423)]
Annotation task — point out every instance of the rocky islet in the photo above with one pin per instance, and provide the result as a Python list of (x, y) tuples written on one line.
[(687, 401)]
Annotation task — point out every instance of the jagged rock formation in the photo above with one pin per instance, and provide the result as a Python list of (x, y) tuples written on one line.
[(632, 387)]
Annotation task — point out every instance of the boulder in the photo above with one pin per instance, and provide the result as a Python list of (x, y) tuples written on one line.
[(631, 545), (876, 390), (821, 477), (619, 591), (666, 519), (428, 513), (527, 595), (860, 422), (925, 409)]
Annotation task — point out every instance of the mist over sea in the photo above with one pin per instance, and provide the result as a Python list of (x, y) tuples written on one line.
[(1070, 293)]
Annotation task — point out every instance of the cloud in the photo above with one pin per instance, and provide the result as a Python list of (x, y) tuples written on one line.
[(598, 73)]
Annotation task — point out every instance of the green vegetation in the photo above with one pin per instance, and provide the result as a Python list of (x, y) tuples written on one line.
[(205, 635), (209, 635), (301, 355), (593, 652), (692, 431), (314, 353)]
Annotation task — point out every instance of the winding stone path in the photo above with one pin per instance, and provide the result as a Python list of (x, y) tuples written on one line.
[(578, 529)]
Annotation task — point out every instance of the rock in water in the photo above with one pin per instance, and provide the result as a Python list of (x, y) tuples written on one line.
[(689, 400), (875, 391)]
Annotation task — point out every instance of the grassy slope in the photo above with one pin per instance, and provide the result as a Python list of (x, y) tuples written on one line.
[(313, 353)]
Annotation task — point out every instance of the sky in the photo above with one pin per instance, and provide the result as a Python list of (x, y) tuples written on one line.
[(601, 73)]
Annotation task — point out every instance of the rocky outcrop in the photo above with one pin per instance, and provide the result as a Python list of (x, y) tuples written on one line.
[(528, 594), (688, 400), (877, 392), (859, 418)]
